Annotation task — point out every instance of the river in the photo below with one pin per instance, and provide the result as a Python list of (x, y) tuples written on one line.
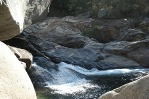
[(75, 82)]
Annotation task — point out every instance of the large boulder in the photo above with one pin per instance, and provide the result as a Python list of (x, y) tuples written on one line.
[(14, 81), (135, 90), (64, 43), (118, 61), (12, 16), (18, 14), (140, 55)]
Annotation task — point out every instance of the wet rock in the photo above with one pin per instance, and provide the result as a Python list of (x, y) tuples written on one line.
[(41, 71), (82, 57), (59, 40), (113, 62), (140, 55), (124, 47), (64, 43)]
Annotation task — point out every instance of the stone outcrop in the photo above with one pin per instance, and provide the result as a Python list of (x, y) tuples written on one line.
[(14, 81), (135, 90), (18, 14), (61, 39)]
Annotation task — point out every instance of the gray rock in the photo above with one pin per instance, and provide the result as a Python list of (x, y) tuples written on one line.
[(64, 42), (124, 47), (114, 61), (130, 35), (41, 71), (140, 55)]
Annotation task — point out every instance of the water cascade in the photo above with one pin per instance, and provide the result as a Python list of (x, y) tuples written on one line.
[(76, 82)]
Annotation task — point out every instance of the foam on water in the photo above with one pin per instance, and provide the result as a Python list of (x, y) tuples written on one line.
[(95, 71), (67, 82)]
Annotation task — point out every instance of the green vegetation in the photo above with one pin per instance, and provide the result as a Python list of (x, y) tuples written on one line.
[(70, 7), (123, 8), (91, 31), (42, 94)]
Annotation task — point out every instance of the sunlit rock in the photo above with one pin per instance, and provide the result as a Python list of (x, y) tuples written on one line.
[(12, 16), (17, 14), (14, 81), (135, 90)]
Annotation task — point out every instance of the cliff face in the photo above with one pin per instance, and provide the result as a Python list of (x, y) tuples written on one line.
[(18, 14)]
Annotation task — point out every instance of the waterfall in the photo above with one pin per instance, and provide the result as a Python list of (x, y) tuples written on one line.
[(70, 79)]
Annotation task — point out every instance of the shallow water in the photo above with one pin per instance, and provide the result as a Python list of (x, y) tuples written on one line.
[(75, 82)]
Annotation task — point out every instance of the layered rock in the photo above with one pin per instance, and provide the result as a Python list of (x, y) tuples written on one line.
[(61, 39), (14, 81), (135, 90)]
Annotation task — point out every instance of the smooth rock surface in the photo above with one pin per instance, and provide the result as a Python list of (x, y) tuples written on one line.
[(118, 61), (18, 14), (135, 90), (14, 81), (140, 55), (11, 20)]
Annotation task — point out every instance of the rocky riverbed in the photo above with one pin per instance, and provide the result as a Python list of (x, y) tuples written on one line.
[(75, 57), (88, 43)]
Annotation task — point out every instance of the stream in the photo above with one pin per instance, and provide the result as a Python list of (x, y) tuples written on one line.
[(75, 82)]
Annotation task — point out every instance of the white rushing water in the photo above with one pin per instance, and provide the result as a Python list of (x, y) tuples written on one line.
[(70, 79)]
